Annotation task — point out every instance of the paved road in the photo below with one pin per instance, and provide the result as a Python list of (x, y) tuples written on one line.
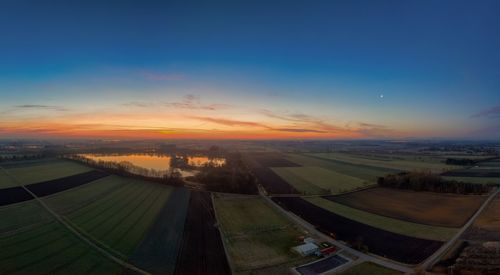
[(435, 257), (360, 255), (76, 232)]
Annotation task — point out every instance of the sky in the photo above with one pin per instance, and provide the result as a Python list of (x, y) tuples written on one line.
[(250, 69)]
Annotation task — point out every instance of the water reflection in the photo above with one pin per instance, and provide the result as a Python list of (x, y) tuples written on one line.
[(163, 164)]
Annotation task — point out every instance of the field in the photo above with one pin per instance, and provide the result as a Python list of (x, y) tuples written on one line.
[(138, 221), (322, 266), (400, 162), (255, 234), (273, 183), (157, 253), (259, 165), (39, 171), (437, 209), (317, 180), (482, 170), (13, 195), (364, 172), (46, 188), (119, 219), (478, 180), (487, 226), (398, 247), (202, 250), (370, 268), (389, 224), (5, 180), (50, 249), (18, 217), (19, 194), (270, 160)]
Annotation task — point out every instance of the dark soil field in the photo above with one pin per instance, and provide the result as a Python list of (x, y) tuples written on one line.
[(489, 169), (202, 251), (158, 251), (273, 183), (41, 189), (272, 160), (394, 246), (259, 165), (13, 195), (487, 173), (322, 266), (429, 208), (46, 188)]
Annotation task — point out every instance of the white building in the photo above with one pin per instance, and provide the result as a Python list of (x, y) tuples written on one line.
[(306, 249)]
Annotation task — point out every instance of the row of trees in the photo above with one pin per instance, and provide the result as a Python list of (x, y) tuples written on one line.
[(426, 181), (233, 177), (15, 157), (462, 161)]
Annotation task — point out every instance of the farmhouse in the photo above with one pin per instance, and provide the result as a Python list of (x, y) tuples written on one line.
[(306, 249)]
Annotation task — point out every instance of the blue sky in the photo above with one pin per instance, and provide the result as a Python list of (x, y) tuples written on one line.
[(435, 62)]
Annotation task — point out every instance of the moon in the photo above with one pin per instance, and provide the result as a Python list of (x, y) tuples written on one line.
[(381, 95)]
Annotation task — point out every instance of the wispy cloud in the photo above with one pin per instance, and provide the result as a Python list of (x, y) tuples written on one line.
[(139, 104), (231, 122), (374, 130), (312, 122), (159, 76), (491, 113), (39, 107), (190, 101), (298, 130), (294, 117)]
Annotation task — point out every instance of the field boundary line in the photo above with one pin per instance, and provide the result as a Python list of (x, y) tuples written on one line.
[(429, 262), (77, 233), (95, 240), (222, 235)]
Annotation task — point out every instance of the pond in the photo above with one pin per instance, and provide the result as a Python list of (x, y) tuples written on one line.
[(186, 165)]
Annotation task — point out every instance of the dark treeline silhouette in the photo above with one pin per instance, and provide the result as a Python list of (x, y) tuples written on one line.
[(460, 161), (426, 181), (20, 157), (233, 177), (127, 169)]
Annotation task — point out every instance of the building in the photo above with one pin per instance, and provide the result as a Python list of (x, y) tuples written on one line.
[(306, 249)]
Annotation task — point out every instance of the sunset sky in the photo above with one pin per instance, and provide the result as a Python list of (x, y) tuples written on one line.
[(250, 69)]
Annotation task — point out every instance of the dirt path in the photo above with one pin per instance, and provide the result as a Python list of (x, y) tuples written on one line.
[(75, 231), (435, 257)]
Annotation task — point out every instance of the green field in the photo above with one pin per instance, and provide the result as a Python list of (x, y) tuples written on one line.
[(400, 163), (479, 180), (75, 198), (39, 171), (370, 268), (386, 223), (19, 216), (364, 172), (5, 180), (255, 234), (318, 180), (50, 249), (119, 216), (113, 212)]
